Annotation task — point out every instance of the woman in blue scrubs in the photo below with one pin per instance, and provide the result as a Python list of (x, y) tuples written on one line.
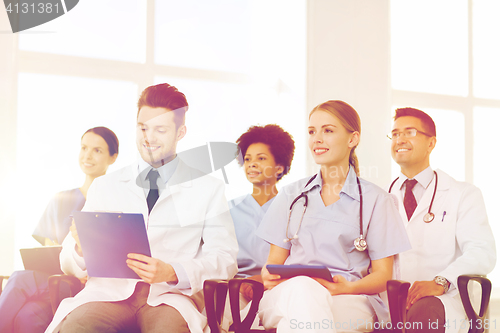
[(266, 156), (326, 233), (24, 303)]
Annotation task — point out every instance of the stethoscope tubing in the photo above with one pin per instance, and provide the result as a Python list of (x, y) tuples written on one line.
[(359, 243)]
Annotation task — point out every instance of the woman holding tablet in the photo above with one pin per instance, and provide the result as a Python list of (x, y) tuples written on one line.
[(334, 219), (99, 149), (25, 303)]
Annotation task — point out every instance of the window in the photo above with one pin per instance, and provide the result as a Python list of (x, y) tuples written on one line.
[(94, 29), (429, 53), (486, 52), (52, 116), (87, 68), (486, 166)]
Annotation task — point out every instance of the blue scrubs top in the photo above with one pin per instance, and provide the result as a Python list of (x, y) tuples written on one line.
[(55, 221), (327, 234), (253, 251)]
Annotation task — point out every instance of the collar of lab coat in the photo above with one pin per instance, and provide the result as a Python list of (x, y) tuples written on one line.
[(182, 178), (166, 171), (424, 178), (444, 181)]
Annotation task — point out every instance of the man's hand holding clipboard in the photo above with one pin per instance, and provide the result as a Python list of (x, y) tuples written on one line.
[(151, 270), (116, 245)]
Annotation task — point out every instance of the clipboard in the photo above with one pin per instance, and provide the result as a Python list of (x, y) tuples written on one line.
[(289, 271), (107, 238), (43, 259)]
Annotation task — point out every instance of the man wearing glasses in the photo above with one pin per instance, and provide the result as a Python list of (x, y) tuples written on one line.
[(446, 223)]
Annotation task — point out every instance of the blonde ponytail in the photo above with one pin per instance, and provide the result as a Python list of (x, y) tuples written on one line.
[(353, 160)]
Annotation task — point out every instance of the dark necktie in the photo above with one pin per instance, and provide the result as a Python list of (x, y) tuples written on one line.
[(153, 189), (409, 200)]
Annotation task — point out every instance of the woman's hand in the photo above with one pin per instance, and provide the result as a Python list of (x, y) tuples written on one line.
[(373, 283), (339, 285), (277, 256), (270, 280), (246, 289)]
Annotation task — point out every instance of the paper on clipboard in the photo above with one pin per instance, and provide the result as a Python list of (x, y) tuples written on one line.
[(106, 239)]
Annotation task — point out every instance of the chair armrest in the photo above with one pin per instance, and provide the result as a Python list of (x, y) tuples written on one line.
[(478, 319), (54, 288), (215, 292), (240, 326), (397, 293)]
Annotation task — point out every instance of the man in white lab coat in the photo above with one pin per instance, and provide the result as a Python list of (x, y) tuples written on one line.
[(446, 223), (189, 228)]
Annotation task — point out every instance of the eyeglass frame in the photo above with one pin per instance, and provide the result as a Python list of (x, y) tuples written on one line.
[(392, 138)]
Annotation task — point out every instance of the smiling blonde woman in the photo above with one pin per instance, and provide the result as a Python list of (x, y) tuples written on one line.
[(343, 213)]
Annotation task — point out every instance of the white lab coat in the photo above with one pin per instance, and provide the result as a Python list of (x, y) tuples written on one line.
[(458, 241), (190, 225)]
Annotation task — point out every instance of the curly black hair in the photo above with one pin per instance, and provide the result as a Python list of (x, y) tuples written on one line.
[(280, 143)]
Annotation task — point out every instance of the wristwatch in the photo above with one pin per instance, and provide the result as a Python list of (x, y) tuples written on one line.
[(442, 282)]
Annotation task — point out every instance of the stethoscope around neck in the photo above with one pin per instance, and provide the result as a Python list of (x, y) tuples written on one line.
[(429, 217), (359, 243)]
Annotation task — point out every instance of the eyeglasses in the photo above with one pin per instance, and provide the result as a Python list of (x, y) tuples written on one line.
[(407, 133)]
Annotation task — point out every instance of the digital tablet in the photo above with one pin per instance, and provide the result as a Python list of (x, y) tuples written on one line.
[(107, 238), (43, 259), (289, 271)]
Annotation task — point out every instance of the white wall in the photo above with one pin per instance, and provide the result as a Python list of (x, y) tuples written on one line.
[(8, 74), (348, 59)]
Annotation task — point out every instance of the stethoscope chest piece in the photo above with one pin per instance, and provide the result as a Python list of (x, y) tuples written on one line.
[(429, 217), (360, 243)]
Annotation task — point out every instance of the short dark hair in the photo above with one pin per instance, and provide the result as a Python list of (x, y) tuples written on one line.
[(427, 122), (108, 135), (165, 96), (280, 144)]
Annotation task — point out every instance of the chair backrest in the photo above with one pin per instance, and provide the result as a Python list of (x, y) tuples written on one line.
[(215, 292), (477, 319), (55, 288), (397, 292), (244, 326)]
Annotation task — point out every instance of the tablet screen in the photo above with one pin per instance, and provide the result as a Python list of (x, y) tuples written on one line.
[(42, 259), (288, 271)]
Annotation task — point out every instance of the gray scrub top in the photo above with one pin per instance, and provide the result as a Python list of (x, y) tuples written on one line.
[(56, 220), (253, 251), (327, 234)]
